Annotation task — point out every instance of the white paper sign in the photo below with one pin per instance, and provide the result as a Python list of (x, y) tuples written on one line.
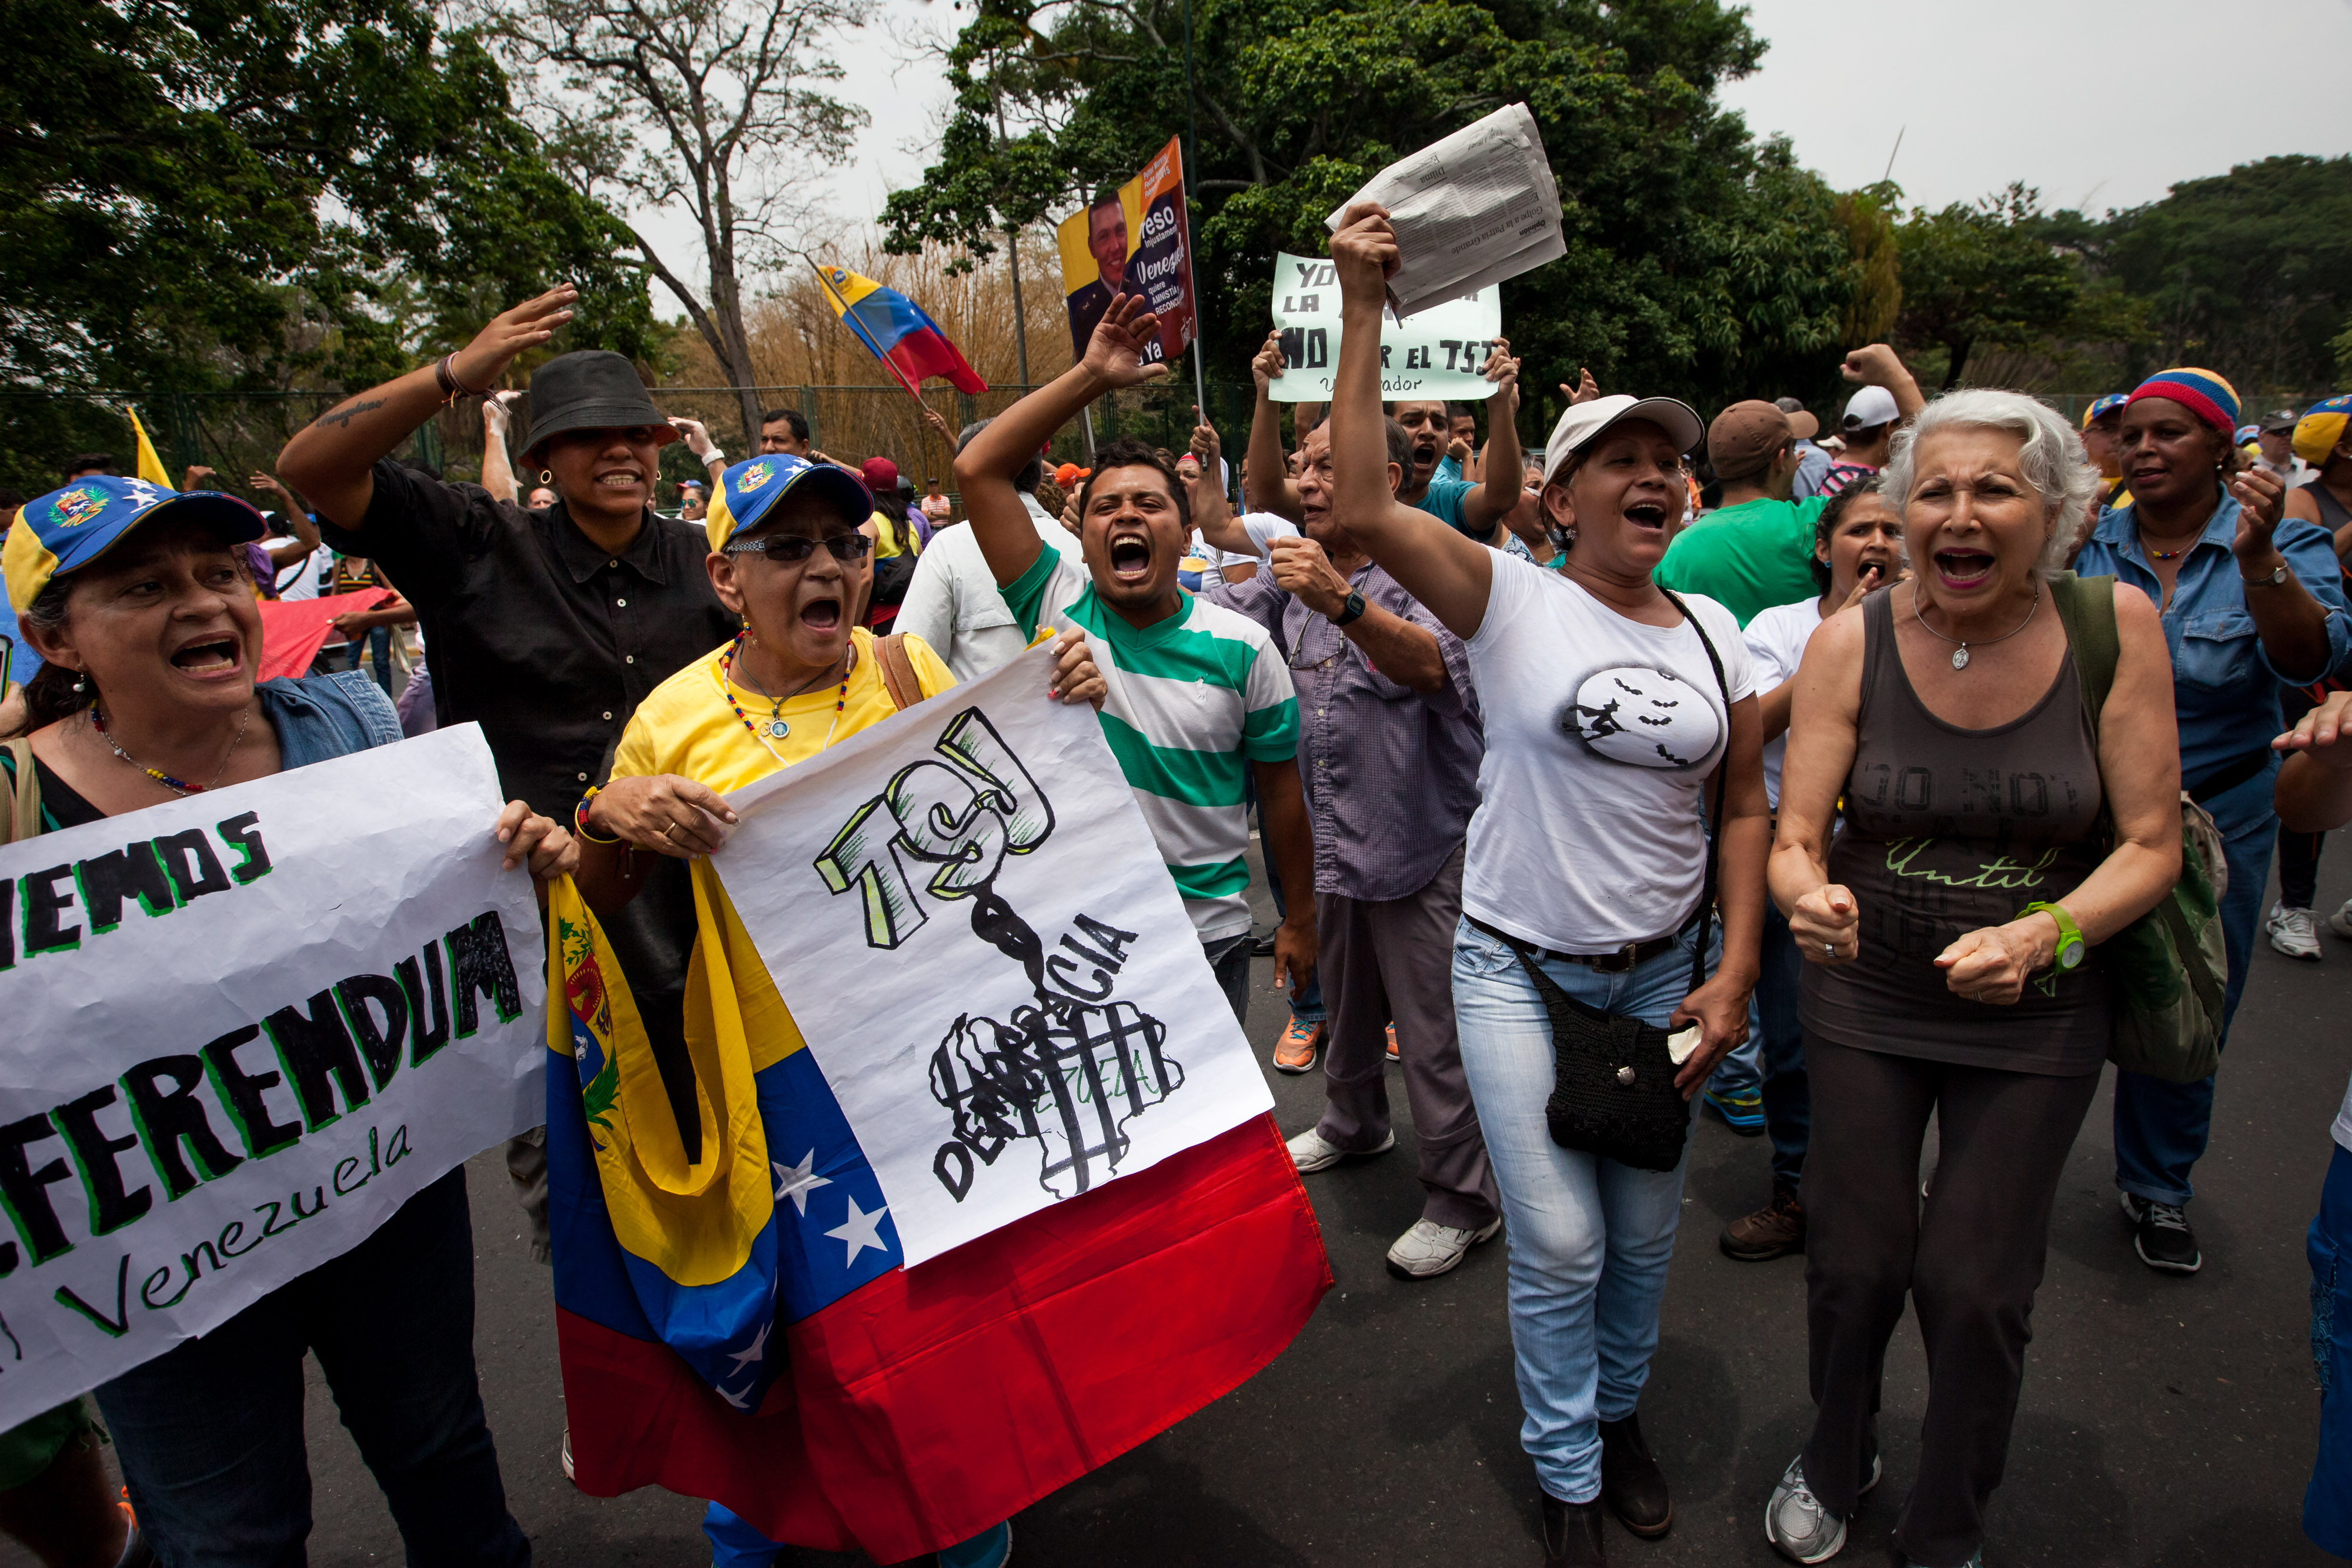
[(968, 919), (237, 1032), (1439, 353)]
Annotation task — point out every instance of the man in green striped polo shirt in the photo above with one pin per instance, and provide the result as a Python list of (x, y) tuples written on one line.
[(1200, 699)]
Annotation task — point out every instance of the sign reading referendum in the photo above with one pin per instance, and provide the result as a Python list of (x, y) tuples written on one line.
[(1438, 352), (240, 1029)]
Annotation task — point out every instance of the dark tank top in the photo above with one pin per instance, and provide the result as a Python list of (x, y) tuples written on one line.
[(1946, 830)]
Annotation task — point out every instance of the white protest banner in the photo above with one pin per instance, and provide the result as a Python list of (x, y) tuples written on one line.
[(237, 1032), (966, 913), (1440, 352)]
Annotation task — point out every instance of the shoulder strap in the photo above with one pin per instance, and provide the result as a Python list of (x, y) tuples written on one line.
[(898, 675), (1715, 821), (2086, 606), (22, 784)]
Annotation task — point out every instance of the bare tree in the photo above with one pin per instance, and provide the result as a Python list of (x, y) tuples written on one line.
[(713, 106)]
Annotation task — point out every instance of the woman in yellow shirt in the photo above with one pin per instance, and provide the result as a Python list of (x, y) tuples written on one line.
[(801, 677)]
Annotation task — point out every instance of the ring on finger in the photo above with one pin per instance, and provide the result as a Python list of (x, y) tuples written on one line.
[(669, 831)]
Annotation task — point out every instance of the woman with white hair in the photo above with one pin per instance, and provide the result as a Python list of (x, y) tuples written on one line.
[(1951, 930)]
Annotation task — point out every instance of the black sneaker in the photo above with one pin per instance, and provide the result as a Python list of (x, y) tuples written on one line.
[(1572, 1534), (2161, 1237)]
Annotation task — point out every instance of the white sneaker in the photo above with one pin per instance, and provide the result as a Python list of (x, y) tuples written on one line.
[(2293, 932), (1796, 1522), (1429, 1248), (2341, 921), (567, 1451), (1311, 1152)]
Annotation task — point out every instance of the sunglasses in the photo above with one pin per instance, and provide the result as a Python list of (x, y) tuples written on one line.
[(794, 548)]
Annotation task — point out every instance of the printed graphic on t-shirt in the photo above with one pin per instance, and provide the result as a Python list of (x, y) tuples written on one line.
[(1643, 717)]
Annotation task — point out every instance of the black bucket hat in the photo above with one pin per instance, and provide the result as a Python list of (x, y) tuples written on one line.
[(591, 389)]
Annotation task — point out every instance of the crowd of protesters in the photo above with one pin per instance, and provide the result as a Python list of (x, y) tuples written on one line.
[(1803, 775)]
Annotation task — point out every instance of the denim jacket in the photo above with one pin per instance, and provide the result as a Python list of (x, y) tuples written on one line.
[(2224, 686), (320, 717)]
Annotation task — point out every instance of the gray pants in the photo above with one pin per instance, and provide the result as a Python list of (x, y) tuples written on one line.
[(526, 1168), (1393, 961)]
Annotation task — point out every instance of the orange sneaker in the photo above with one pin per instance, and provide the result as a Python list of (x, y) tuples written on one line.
[(1295, 1052), (1392, 1050)]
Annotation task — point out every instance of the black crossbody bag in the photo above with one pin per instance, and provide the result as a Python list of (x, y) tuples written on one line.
[(1612, 1089)]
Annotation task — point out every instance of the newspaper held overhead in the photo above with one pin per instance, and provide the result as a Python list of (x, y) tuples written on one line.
[(1470, 210)]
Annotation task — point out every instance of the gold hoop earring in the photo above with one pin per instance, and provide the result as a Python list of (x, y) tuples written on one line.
[(547, 475)]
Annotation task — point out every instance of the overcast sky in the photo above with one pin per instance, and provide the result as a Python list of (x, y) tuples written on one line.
[(2098, 105)]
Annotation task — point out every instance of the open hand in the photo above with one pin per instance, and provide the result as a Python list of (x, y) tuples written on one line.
[(665, 813), (482, 361), (2324, 732), (1827, 926), (1115, 354), (1585, 390), (1076, 678)]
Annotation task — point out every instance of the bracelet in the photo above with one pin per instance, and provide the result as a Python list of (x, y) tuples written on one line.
[(714, 458), (445, 371), (580, 820)]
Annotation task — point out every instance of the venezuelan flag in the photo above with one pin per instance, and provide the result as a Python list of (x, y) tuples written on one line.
[(742, 1327), (897, 330)]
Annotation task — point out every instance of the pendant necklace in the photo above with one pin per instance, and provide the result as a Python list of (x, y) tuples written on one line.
[(775, 727), (176, 786), (1961, 653)]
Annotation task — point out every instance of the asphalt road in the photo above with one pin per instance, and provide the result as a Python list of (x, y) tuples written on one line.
[(2164, 1422)]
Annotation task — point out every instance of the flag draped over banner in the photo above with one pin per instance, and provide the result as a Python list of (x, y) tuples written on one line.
[(896, 331), (740, 1326), (151, 467)]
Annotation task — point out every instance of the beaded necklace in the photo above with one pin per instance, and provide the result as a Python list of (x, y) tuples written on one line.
[(775, 725), (176, 786)]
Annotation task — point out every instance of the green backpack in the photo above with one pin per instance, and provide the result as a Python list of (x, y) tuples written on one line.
[(2168, 967)]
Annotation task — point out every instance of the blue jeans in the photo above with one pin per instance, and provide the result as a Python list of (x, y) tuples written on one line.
[(1772, 1021), (2328, 1505), (210, 1432), (378, 646), (2161, 1128), (1589, 1239)]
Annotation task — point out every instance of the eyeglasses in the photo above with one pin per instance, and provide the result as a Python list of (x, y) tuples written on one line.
[(794, 548)]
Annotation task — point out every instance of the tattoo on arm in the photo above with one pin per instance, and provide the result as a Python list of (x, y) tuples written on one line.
[(349, 411)]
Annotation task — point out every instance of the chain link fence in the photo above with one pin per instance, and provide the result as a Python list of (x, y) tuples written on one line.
[(238, 434)]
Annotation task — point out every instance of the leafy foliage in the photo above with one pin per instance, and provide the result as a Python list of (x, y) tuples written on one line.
[(1983, 273), (1699, 262)]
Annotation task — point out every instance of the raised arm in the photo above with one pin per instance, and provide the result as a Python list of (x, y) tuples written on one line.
[(1270, 488), (1211, 515), (1449, 572), (329, 459), (1880, 366), (984, 469), (298, 517), (1499, 492), (498, 467)]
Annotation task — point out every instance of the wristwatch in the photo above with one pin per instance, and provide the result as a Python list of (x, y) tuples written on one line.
[(2270, 579), (1352, 610), (2071, 945)]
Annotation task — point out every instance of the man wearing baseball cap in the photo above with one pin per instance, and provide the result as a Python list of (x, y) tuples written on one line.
[(2103, 424), (1755, 551), (2274, 441), (547, 627), (1889, 396)]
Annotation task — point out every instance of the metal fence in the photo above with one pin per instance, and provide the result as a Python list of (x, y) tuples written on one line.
[(238, 434)]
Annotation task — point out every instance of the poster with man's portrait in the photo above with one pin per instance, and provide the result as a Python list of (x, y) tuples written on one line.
[(1135, 239)]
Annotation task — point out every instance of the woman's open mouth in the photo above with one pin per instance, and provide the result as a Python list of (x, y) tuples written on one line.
[(1130, 557), (1963, 568), (822, 616), (1646, 514), (213, 656)]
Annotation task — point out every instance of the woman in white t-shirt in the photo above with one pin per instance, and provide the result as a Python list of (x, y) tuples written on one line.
[(1857, 547), (1605, 722)]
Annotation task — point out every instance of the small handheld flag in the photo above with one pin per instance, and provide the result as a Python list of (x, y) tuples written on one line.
[(151, 467), (896, 331)]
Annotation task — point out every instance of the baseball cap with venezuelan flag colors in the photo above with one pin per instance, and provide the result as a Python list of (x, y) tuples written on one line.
[(66, 529), (2103, 406), (2203, 392), (748, 491), (2318, 432)]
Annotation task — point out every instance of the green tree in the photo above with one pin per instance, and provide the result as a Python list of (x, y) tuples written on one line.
[(206, 195), (2247, 273), (1984, 274), (1699, 262)]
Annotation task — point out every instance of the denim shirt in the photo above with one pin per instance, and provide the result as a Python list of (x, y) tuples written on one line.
[(2225, 689), (322, 716)]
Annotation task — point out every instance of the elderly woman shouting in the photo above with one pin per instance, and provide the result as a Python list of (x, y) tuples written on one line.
[(1951, 931), (2250, 602)]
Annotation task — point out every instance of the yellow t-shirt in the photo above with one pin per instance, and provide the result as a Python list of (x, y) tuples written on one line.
[(893, 535), (685, 725)]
